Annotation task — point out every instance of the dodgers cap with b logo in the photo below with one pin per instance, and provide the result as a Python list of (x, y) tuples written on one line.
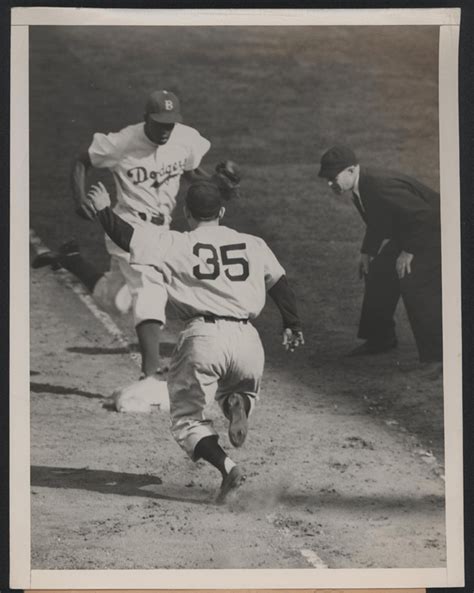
[(163, 107)]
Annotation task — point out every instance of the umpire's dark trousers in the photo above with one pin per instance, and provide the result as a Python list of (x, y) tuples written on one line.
[(421, 294)]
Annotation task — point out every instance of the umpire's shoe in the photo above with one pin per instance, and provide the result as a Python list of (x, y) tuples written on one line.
[(370, 348), (56, 258), (232, 481), (238, 424)]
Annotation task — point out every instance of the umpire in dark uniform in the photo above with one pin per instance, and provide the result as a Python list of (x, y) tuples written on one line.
[(400, 254)]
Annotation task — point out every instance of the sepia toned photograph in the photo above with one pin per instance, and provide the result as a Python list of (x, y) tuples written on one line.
[(244, 312)]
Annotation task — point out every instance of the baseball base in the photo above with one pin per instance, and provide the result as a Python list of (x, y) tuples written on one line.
[(140, 396)]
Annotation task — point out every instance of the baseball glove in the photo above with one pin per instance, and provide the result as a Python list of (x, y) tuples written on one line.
[(227, 177)]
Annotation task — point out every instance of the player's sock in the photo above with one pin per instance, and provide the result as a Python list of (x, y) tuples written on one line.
[(209, 449), (229, 464), (148, 333)]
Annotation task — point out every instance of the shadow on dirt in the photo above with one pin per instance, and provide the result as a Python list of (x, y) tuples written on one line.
[(98, 350), (275, 498), (377, 503), (166, 349), (105, 482), (61, 390), (280, 494)]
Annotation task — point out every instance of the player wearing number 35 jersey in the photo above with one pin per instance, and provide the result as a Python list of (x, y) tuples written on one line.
[(210, 271), (217, 279)]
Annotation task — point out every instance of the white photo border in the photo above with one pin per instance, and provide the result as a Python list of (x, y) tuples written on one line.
[(22, 577)]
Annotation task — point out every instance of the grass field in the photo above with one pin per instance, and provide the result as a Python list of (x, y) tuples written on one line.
[(273, 99)]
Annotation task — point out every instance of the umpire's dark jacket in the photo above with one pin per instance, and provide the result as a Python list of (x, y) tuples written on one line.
[(406, 212), (400, 208)]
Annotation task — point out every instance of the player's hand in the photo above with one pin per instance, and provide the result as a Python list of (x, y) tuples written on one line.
[(364, 263), (403, 264), (292, 339), (98, 197)]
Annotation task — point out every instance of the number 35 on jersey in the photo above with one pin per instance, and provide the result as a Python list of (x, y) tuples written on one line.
[(230, 260)]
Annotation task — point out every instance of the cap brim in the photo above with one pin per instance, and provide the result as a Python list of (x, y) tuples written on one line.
[(326, 173), (330, 173), (166, 118)]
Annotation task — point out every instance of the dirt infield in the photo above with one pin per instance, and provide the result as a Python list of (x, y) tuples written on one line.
[(344, 454), (114, 491)]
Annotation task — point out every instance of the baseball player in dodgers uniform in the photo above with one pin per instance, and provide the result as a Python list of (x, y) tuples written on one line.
[(147, 161), (217, 278)]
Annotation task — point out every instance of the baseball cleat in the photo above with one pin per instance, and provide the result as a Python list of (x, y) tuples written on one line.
[(46, 258), (53, 258), (232, 481), (238, 423)]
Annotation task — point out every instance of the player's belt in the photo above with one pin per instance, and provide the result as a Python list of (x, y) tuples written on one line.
[(158, 220), (214, 318)]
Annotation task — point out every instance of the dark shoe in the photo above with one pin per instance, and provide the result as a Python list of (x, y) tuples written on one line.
[(238, 424), (370, 348), (56, 258), (47, 258), (232, 481)]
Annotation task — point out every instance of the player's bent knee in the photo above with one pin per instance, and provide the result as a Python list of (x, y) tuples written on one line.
[(112, 298)]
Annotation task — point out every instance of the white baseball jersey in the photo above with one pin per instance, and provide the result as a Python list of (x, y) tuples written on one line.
[(147, 175), (212, 270)]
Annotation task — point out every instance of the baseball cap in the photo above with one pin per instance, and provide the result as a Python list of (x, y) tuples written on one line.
[(163, 107), (335, 160), (203, 200)]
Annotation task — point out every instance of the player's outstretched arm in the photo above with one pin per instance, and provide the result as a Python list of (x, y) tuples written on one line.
[(116, 228), (285, 300), (79, 171)]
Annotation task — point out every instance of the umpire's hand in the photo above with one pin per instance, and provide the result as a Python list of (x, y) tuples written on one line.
[(292, 339), (403, 264)]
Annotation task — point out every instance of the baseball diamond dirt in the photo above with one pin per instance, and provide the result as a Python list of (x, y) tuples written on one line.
[(344, 456)]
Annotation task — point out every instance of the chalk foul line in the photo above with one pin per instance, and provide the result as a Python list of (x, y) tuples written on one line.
[(309, 555), (71, 282)]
